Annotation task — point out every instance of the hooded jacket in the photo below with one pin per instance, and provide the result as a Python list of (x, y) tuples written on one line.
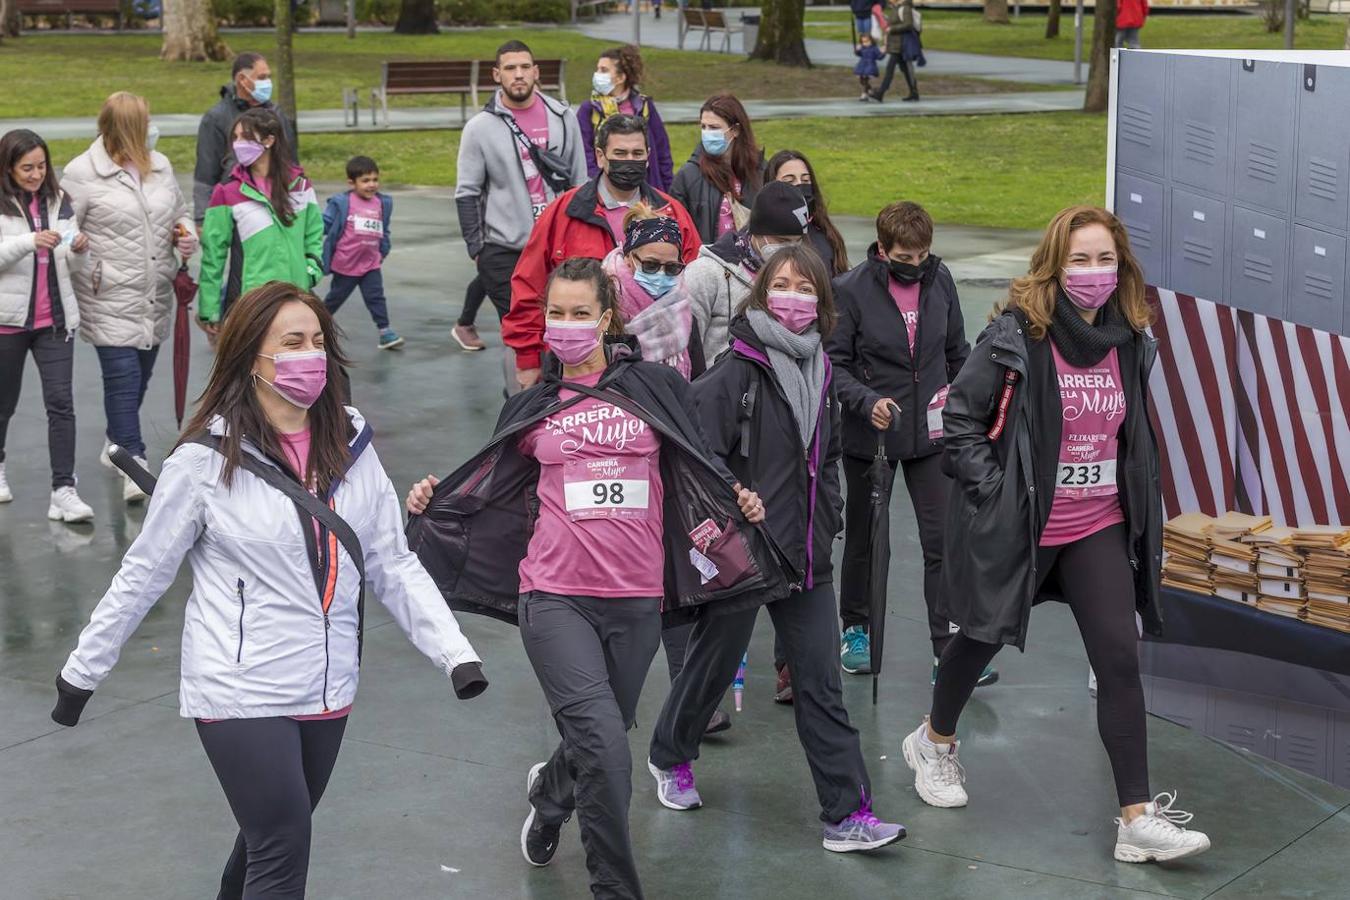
[(660, 165), (476, 529), (1004, 486), (703, 200), (18, 262), (125, 289), (490, 193), (751, 428), (573, 225), (215, 156), (335, 223), (241, 223), (717, 283), (258, 639), (870, 350)]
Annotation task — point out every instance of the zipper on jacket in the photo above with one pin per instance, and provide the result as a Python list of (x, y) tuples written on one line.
[(325, 662), (239, 654)]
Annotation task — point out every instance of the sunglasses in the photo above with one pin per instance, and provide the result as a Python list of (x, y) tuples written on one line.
[(651, 267)]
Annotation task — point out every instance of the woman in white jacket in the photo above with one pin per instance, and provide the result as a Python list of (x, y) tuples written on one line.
[(272, 630), (40, 244), (129, 205)]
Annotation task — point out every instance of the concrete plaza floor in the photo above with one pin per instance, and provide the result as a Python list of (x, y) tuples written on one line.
[(427, 798)]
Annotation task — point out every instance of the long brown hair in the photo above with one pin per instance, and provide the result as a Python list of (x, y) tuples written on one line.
[(820, 215), (14, 146), (741, 162), (806, 261), (257, 124), (123, 124), (231, 393), (1035, 293)]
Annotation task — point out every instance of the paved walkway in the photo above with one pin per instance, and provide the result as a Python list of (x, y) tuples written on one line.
[(665, 33)]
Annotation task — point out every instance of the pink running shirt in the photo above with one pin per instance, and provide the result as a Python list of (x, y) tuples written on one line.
[(906, 297), (533, 123), (358, 249)]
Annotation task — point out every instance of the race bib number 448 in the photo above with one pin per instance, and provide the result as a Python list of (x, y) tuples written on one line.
[(606, 488)]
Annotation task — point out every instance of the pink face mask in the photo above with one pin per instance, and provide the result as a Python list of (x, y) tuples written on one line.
[(246, 153), (796, 311), (572, 342), (1089, 287), (301, 376)]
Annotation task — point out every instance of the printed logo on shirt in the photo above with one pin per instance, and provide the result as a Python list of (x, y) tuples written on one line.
[(1094, 392), (602, 426)]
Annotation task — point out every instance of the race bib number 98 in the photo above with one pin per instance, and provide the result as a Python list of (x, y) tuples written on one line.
[(1086, 479), (606, 489)]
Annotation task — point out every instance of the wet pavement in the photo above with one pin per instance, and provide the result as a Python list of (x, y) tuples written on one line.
[(428, 795)]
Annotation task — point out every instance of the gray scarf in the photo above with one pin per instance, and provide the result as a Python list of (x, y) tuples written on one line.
[(798, 367)]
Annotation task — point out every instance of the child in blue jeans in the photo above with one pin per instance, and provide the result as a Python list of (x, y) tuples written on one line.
[(868, 56), (355, 243)]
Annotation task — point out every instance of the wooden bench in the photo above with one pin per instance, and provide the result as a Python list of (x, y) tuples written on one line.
[(70, 8), (595, 7), (552, 78), (452, 76), (709, 22)]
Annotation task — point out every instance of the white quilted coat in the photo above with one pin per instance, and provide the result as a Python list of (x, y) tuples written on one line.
[(17, 260), (125, 289)]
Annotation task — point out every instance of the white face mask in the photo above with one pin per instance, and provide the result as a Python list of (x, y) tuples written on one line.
[(151, 136)]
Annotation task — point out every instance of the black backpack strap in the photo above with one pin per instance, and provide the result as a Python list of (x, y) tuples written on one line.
[(307, 503), (747, 413)]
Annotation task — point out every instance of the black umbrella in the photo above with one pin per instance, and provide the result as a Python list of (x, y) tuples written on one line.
[(879, 478)]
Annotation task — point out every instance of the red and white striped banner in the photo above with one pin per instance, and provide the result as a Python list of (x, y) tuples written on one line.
[(1250, 413)]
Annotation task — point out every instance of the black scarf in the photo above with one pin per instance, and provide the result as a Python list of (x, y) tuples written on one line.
[(1082, 344)]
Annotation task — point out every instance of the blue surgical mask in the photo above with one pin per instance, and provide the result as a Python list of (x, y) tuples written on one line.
[(262, 90), (658, 284), (715, 142), (602, 83)]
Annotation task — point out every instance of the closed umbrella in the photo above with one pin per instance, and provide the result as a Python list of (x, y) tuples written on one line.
[(879, 478), (185, 290)]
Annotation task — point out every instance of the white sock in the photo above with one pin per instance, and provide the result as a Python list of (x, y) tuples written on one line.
[(925, 741)]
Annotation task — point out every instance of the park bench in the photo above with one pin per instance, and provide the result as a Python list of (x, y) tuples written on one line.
[(452, 76), (709, 22), (70, 8), (590, 7)]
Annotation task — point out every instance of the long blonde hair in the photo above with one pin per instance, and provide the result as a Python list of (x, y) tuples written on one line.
[(1035, 292), (123, 124)]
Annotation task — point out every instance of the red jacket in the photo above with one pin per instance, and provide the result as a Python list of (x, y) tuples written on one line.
[(572, 225), (1131, 13)]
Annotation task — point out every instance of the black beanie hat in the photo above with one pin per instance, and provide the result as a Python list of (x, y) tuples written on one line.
[(779, 211)]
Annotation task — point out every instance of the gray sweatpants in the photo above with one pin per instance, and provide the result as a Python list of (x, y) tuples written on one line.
[(591, 656), (806, 624)]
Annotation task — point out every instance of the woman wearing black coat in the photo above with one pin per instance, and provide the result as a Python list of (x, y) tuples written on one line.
[(769, 412), (719, 182), (1047, 434)]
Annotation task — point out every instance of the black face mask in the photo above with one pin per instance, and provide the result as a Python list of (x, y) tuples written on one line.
[(906, 273), (808, 192), (627, 174)]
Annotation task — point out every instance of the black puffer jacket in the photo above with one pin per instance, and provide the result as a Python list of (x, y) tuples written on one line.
[(751, 427), (870, 351), (704, 201), (1005, 486), (477, 528)]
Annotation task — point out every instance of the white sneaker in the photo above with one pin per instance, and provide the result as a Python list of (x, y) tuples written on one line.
[(67, 506), (131, 492), (5, 494), (1157, 835), (938, 774), (105, 457)]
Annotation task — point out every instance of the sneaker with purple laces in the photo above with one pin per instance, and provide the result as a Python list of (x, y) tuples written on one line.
[(862, 831), (675, 786)]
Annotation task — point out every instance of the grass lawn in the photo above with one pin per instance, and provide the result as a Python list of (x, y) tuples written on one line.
[(1000, 171), (70, 75), (969, 33)]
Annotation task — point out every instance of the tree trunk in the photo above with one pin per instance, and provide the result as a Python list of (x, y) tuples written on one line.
[(1099, 74), (190, 32), (1052, 19), (996, 11), (11, 23), (417, 17), (283, 64), (780, 33)]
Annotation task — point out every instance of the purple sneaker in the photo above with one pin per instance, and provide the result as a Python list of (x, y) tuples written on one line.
[(862, 831), (675, 787)]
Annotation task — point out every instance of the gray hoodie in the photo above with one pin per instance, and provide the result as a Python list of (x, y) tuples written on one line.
[(717, 284), (490, 193)]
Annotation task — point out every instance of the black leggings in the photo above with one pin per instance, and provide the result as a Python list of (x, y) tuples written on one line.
[(273, 771), (474, 295), (1098, 583)]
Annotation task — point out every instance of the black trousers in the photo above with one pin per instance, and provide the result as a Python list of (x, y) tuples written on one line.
[(591, 656), (55, 359), (928, 489), (805, 622), (1098, 583), (495, 267), (274, 772), (474, 295), (893, 61)]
